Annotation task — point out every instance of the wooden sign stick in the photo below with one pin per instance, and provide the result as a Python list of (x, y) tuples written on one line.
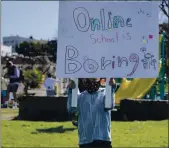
[(108, 102)]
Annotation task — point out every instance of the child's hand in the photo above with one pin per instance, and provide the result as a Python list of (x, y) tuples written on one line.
[(112, 82), (72, 84)]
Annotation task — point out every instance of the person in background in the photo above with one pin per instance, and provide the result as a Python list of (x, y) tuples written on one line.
[(4, 84), (49, 84), (13, 73), (94, 121)]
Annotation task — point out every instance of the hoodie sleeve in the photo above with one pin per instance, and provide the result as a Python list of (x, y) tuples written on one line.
[(55, 81), (69, 108)]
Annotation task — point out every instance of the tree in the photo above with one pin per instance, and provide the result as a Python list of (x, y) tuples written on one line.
[(23, 48), (32, 79), (34, 49), (52, 50), (164, 6)]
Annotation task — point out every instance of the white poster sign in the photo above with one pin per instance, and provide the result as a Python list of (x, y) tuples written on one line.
[(108, 39)]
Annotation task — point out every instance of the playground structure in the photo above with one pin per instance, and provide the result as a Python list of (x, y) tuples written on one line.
[(138, 88)]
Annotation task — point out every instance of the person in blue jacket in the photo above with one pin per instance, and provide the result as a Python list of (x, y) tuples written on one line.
[(94, 121)]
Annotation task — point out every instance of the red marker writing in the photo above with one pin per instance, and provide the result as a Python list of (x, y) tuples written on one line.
[(150, 36)]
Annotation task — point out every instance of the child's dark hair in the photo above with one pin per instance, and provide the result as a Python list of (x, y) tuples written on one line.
[(49, 75)]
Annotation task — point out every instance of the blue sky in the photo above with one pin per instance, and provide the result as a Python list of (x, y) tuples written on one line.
[(38, 18), (25, 18)]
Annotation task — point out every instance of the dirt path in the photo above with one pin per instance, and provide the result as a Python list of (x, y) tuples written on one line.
[(8, 116)]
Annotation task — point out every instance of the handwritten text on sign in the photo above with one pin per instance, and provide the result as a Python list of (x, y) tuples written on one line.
[(108, 39)]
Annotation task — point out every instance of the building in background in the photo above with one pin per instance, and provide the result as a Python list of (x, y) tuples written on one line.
[(6, 51), (16, 40)]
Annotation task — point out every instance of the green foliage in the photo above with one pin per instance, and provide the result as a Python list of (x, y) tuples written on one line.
[(33, 77), (118, 80), (34, 49)]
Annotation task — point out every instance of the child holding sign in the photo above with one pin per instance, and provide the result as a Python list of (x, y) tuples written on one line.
[(94, 123)]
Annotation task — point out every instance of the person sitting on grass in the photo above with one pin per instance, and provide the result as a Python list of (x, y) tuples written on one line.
[(94, 121)]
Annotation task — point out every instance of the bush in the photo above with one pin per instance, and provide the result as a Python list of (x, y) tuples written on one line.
[(33, 78), (144, 109), (43, 108)]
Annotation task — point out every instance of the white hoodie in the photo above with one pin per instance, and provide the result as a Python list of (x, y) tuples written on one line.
[(49, 83)]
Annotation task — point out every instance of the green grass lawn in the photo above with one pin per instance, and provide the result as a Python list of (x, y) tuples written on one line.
[(64, 134)]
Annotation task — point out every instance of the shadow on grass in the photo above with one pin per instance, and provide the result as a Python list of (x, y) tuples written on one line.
[(58, 129), (18, 118)]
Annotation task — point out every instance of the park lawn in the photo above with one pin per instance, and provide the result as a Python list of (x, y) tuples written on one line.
[(64, 134)]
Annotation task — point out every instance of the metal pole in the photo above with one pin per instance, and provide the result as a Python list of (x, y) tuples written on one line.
[(162, 84)]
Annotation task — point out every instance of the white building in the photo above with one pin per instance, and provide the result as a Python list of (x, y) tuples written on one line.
[(6, 50), (16, 40)]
